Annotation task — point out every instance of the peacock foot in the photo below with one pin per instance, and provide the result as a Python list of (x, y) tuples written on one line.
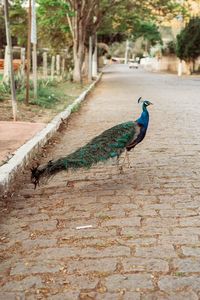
[(121, 170)]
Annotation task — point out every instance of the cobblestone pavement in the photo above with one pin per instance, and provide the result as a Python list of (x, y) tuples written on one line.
[(144, 240)]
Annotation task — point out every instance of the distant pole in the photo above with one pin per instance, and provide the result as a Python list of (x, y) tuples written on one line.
[(58, 64), (6, 66), (23, 62), (90, 60), (34, 42), (28, 55), (11, 71), (180, 67), (126, 52), (45, 72), (94, 60), (53, 60), (34, 59)]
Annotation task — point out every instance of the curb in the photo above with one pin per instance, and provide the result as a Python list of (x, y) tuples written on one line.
[(23, 155)]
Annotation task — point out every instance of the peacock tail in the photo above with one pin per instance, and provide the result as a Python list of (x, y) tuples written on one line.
[(109, 144)]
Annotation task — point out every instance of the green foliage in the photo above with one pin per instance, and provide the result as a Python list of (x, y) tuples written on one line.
[(188, 41), (130, 17), (52, 23), (76, 108), (149, 31), (19, 22), (2, 28), (170, 48), (4, 90), (47, 96)]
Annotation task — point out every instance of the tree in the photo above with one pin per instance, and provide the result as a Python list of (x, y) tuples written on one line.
[(149, 32), (188, 41), (53, 28), (19, 21), (85, 18), (2, 28), (132, 19)]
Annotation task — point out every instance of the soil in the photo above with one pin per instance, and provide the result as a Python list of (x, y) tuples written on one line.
[(37, 114)]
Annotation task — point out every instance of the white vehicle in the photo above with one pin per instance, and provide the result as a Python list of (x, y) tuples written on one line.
[(133, 64)]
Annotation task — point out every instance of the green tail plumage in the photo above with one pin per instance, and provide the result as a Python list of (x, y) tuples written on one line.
[(109, 144)]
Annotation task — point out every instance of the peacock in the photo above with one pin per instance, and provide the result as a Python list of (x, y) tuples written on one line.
[(109, 144)]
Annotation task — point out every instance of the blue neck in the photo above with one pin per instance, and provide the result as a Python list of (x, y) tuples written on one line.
[(144, 118)]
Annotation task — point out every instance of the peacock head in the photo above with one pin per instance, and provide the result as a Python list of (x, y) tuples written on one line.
[(145, 103)]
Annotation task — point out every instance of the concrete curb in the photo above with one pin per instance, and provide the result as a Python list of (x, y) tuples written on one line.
[(23, 155)]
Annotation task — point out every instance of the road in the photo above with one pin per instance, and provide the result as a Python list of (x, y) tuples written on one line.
[(144, 236)]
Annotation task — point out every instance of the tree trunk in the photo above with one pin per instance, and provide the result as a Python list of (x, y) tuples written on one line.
[(78, 61), (86, 63), (76, 72)]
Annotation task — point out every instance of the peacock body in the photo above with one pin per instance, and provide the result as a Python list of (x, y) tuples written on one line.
[(109, 144)]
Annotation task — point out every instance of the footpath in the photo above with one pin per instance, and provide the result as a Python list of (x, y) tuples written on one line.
[(97, 234)]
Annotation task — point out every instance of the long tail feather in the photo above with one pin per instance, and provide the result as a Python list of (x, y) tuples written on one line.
[(111, 143)]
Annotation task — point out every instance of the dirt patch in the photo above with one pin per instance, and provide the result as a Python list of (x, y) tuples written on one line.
[(67, 92)]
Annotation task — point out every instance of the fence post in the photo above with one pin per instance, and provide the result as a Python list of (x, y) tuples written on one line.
[(63, 67), (23, 63), (34, 59), (52, 67), (90, 60), (45, 70), (58, 64), (126, 52), (6, 66)]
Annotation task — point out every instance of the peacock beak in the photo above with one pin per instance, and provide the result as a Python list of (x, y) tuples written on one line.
[(150, 103)]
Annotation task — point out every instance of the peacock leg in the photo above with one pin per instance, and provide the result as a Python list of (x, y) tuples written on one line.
[(119, 167), (128, 160), (126, 157)]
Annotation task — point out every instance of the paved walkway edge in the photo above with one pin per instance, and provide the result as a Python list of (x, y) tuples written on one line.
[(23, 155)]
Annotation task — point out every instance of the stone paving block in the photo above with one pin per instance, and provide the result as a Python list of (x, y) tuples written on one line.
[(175, 198), (160, 222), (114, 199), (65, 296), (84, 233), (112, 251), (12, 296), (31, 267), (185, 231), (82, 282), (109, 214), (124, 206), (36, 217), (92, 265), (122, 295), (23, 285), (170, 283), (148, 265), (58, 253), (160, 251), (178, 295), (143, 241), (38, 243), (179, 239), (42, 226), (191, 251), (190, 221), (194, 204), (178, 213), (131, 282), (142, 213), (144, 230), (187, 265), (122, 222)]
